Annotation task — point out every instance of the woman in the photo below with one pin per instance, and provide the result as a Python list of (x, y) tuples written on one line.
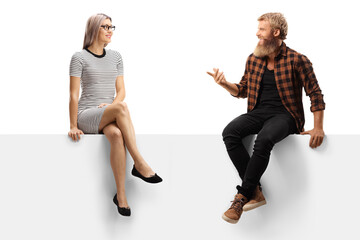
[(100, 73)]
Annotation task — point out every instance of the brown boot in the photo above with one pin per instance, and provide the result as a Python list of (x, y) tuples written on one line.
[(232, 215), (257, 200)]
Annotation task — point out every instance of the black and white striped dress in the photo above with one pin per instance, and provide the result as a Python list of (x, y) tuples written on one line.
[(98, 75)]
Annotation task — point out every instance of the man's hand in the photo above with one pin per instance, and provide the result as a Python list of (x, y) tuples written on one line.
[(317, 137), (219, 77)]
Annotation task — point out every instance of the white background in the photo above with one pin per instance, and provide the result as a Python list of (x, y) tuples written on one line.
[(167, 47)]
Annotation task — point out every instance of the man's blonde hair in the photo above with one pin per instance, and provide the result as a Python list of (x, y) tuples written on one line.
[(277, 21)]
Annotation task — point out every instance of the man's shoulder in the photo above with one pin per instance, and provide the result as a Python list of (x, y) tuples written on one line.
[(297, 58), (253, 58), (293, 54)]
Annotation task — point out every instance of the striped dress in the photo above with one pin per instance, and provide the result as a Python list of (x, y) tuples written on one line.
[(98, 75)]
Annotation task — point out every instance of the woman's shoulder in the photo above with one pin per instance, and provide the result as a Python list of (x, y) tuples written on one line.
[(113, 53), (78, 55)]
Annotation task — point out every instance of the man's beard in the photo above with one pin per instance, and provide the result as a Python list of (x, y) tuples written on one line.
[(270, 46)]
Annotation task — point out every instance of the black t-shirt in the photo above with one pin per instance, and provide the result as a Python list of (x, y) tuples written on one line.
[(268, 94)]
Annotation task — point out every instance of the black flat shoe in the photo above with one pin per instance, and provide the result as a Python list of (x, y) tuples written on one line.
[(153, 179), (122, 210)]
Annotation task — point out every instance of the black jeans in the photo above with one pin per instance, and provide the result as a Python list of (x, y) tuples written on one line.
[(271, 126)]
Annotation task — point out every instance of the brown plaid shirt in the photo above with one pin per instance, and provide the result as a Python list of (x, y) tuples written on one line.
[(293, 71)]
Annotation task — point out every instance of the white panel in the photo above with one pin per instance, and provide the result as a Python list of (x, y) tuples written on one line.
[(53, 188)]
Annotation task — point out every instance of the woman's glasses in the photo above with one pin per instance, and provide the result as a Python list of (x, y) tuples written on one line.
[(107, 27)]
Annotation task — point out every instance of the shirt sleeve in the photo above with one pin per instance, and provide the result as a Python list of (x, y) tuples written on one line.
[(242, 85), (76, 65), (119, 64), (310, 83)]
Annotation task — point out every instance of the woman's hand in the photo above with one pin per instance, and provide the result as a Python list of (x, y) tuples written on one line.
[(103, 104), (75, 133)]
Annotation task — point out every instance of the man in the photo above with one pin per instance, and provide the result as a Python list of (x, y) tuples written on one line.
[(273, 81)]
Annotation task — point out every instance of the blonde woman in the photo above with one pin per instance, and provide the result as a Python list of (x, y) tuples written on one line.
[(100, 74)]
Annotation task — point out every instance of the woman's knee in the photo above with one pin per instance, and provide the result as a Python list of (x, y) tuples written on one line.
[(114, 134), (121, 108)]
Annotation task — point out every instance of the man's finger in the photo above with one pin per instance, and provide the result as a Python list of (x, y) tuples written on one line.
[(303, 133), (219, 75), (216, 72), (319, 141), (314, 144), (210, 74), (311, 143)]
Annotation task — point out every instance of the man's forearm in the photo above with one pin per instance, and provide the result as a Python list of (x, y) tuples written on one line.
[(231, 88), (318, 119)]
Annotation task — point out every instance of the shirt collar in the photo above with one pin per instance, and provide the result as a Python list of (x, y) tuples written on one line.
[(282, 49)]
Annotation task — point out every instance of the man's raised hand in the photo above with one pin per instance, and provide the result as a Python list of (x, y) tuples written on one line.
[(219, 77)]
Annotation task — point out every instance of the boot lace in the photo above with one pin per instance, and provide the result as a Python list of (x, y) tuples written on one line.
[(237, 204)]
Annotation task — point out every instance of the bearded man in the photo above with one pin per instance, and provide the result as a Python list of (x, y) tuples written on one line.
[(273, 81)]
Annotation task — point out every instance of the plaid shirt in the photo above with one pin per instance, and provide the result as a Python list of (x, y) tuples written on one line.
[(293, 71)]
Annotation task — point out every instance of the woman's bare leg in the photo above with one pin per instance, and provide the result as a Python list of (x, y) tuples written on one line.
[(117, 160), (119, 113)]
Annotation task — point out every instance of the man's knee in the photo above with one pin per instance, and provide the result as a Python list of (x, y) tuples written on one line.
[(231, 136), (263, 144), (228, 131)]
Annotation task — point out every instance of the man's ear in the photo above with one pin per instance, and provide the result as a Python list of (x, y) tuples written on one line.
[(276, 32)]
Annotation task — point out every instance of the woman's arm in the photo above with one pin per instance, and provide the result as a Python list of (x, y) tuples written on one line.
[(120, 89), (74, 132)]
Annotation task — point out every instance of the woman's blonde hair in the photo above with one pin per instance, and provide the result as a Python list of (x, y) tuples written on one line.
[(93, 28), (277, 21)]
